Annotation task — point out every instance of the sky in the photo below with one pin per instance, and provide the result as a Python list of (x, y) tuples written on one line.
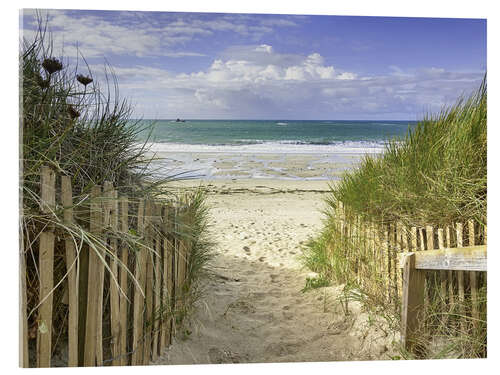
[(261, 66)]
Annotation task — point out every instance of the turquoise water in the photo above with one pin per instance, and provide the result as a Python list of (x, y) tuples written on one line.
[(276, 132), (212, 149)]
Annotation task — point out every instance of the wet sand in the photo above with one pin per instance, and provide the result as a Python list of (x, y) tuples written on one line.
[(223, 166)]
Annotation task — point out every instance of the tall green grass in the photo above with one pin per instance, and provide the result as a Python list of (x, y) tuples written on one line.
[(435, 175), (83, 129)]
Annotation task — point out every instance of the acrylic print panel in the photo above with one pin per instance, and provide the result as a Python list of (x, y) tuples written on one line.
[(214, 188)]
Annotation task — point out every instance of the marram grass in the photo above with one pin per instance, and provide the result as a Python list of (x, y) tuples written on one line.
[(435, 175), (82, 129)]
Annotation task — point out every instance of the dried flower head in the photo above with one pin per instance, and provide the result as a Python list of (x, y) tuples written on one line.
[(73, 113), (52, 65), (84, 80)]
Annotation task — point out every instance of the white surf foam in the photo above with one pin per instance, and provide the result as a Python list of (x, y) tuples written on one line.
[(283, 147)]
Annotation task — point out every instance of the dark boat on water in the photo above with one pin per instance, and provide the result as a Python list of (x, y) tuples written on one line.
[(179, 120)]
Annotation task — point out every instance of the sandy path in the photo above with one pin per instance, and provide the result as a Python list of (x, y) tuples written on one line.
[(253, 309)]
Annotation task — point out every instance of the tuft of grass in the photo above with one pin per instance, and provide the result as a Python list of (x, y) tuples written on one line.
[(315, 283)]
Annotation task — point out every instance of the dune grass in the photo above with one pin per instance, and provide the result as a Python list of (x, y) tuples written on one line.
[(83, 129), (435, 175)]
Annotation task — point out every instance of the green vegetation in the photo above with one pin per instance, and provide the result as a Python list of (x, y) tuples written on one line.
[(437, 176), (84, 131)]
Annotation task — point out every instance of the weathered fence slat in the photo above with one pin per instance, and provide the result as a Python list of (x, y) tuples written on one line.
[(98, 262), (123, 282), (157, 286), (451, 291), (168, 250), (472, 274), (460, 274), (114, 293), (101, 267), (149, 282), (387, 265), (46, 269), (91, 328), (23, 318), (421, 237), (442, 273), (455, 259), (413, 238), (72, 268), (138, 320)]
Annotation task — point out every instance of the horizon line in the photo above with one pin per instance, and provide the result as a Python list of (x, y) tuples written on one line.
[(253, 119)]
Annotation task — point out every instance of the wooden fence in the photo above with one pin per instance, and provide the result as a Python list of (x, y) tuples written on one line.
[(371, 254), (414, 265), (124, 282)]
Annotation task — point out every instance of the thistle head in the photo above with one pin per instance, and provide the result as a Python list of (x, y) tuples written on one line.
[(52, 65), (84, 80)]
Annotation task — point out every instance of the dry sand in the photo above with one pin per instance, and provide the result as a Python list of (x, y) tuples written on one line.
[(253, 309)]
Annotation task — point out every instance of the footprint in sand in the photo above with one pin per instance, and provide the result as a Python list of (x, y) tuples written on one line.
[(282, 348)]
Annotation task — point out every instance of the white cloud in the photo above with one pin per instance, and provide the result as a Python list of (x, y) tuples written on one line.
[(252, 69), (143, 33), (264, 48), (265, 83)]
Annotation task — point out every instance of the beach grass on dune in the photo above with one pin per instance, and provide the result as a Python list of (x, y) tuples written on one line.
[(83, 129), (435, 175)]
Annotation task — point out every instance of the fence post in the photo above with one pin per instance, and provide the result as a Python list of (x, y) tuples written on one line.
[(412, 301), (46, 268), (71, 266)]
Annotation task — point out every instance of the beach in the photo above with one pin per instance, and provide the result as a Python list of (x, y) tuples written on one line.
[(265, 187), (230, 165), (253, 307)]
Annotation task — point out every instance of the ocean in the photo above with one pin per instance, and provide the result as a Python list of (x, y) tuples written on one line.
[(265, 148)]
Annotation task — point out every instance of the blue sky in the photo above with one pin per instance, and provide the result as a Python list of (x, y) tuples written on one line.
[(195, 65)]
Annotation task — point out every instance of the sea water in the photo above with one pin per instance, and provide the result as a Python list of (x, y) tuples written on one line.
[(191, 148)]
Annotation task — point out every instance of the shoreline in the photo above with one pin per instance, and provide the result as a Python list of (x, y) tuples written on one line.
[(261, 166), (252, 186)]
